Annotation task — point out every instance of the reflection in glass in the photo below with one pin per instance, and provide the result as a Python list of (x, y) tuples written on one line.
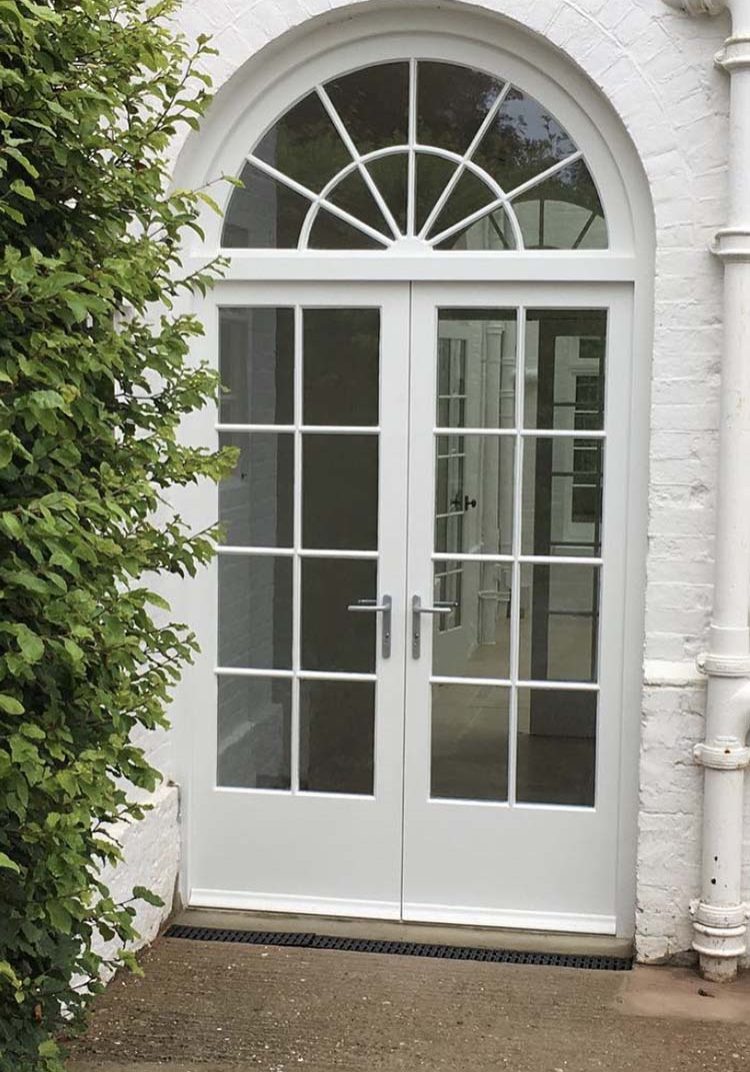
[(353, 195), (255, 612), (560, 623), (474, 639), (256, 501), (474, 494), (340, 492), (562, 496), (469, 742), (341, 366), (432, 173), (493, 231), (254, 732), (332, 637), (331, 232), (565, 368), (523, 140), (564, 212), (521, 143), (391, 176), (305, 145), (373, 104), (264, 214), (476, 354), (556, 747), (469, 195), (256, 365), (452, 104), (337, 736)]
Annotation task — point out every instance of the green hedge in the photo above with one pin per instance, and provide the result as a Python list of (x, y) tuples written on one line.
[(93, 385)]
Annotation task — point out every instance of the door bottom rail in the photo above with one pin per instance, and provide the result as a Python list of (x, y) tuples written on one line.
[(310, 940)]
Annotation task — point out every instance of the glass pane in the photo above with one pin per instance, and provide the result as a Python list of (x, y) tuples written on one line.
[(452, 103), (340, 492), (469, 743), (255, 718), (474, 494), (476, 356), (334, 638), (373, 104), (563, 345), (256, 365), (433, 173), (474, 639), (522, 141), (337, 736), (353, 195), (256, 501), (266, 214), (390, 174), (559, 623), (468, 196), (563, 213), (562, 496), (493, 231), (255, 612), (341, 366), (331, 232), (305, 145), (556, 761)]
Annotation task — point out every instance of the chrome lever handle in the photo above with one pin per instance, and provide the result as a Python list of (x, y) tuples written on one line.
[(371, 606), (417, 610)]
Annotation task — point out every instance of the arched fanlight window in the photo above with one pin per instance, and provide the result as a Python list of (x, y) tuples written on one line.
[(416, 151)]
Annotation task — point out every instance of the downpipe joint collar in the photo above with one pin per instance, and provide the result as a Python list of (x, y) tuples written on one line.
[(722, 755), (713, 665)]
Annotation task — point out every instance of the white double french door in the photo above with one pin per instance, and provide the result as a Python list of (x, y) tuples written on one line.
[(418, 646)]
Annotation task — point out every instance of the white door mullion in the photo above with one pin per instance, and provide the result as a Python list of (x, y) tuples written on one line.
[(515, 602), (297, 530)]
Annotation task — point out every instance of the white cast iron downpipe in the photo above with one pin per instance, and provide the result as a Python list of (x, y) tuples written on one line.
[(720, 917)]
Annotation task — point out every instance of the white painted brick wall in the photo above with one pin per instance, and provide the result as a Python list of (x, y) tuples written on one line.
[(656, 69)]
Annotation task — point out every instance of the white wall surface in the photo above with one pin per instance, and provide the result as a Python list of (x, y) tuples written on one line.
[(655, 67)]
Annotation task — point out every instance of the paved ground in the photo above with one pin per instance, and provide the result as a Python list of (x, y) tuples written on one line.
[(207, 1007)]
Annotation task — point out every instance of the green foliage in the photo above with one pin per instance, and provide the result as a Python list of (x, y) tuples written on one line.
[(94, 381)]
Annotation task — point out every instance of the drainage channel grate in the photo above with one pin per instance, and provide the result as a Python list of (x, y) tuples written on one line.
[(308, 940)]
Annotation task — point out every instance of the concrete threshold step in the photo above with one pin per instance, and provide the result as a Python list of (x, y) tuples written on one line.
[(395, 931)]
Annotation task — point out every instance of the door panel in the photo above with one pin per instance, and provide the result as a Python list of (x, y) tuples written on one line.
[(298, 799), (513, 706)]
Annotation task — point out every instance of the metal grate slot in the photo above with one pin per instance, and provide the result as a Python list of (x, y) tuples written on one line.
[(307, 940)]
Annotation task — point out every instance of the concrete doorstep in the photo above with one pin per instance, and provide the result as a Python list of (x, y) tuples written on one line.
[(214, 1007)]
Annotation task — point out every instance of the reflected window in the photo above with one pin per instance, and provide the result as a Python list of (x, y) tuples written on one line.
[(493, 169)]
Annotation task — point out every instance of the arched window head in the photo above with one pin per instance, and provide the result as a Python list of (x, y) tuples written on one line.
[(416, 153)]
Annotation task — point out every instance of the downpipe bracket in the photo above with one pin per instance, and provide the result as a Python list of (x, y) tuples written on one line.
[(713, 665), (722, 755)]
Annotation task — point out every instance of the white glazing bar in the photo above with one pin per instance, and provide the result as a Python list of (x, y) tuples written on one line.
[(254, 427), (315, 552), (562, 433), (340, 429), (475, 141), (562, 686), (258, 552), (544, 175), (297, 563), (246, 671), (412, 173), (334, 675), (500, 682), (561, 560), (446, 556), (354, 153), (503, 202), (515, 594), (460, 431), (316, 199)]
